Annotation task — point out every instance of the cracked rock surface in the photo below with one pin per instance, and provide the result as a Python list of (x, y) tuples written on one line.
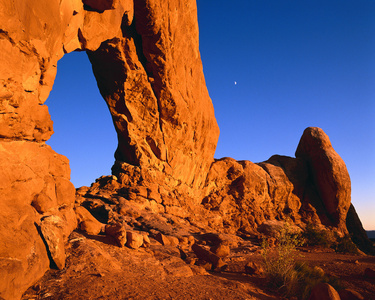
[(145, 57)]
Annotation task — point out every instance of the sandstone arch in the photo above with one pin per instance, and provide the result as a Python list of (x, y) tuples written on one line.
[(150, 74), (34, 179)]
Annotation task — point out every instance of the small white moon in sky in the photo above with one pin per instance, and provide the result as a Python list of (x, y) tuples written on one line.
[(235, 83)]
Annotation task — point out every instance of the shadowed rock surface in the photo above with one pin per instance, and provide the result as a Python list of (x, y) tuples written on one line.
[(358, 234), (145, 57), (328, 172)]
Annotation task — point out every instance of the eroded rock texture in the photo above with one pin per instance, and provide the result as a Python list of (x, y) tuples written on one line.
[(153, 83), (313, 187), (151, 76), (34, 183), (239, 196), (34, 180), (329, 173), (146, 60)]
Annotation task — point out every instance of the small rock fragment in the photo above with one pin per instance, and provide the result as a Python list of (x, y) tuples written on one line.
[(184, 240), (118, 232), (319, 270), (173, 240), (207, 266), (208, 256), (162, 239), (191, 239), (134, 239), (176, 267), (191, 260), (324, 291), (198, 270), (253, 268), (221, 250), (87, 222), (146, 240)]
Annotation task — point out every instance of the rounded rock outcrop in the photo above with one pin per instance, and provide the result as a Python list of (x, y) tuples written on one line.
[(329, 174)]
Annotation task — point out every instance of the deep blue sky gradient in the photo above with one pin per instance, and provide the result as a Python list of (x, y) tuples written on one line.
[(296, 64)]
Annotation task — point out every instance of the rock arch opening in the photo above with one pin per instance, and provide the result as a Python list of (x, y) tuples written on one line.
[(167, 118), (83, 129)]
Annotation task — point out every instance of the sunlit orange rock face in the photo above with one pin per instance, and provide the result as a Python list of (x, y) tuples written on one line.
[(313, 187), (36, 193), (145, 57), (148, 66), (152, 80)]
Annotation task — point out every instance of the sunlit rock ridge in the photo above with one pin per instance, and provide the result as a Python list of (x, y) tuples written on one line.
[(145, 57)]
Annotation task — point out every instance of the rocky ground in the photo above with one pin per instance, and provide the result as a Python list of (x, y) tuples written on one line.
[(97, 268), (126, 250)]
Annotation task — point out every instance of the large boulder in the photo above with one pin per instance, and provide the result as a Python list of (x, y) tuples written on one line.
[(52, 233), (246, 194), (34, 182), (329, 173)]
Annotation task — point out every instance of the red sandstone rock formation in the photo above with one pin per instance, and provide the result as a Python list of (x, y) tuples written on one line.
[(34, 184), (146, 60), (314, 187), (156, 94), (34, 179), (157, 97), (329, 173)]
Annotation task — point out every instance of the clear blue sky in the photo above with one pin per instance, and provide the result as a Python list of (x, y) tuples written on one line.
[(272, 68)]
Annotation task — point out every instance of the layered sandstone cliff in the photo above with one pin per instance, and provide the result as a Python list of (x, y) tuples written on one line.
[(146, 60)]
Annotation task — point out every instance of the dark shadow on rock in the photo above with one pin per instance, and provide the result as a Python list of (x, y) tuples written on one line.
[(358, 234), (299, 174), (52, 264), (105, 239), (240, 277)]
